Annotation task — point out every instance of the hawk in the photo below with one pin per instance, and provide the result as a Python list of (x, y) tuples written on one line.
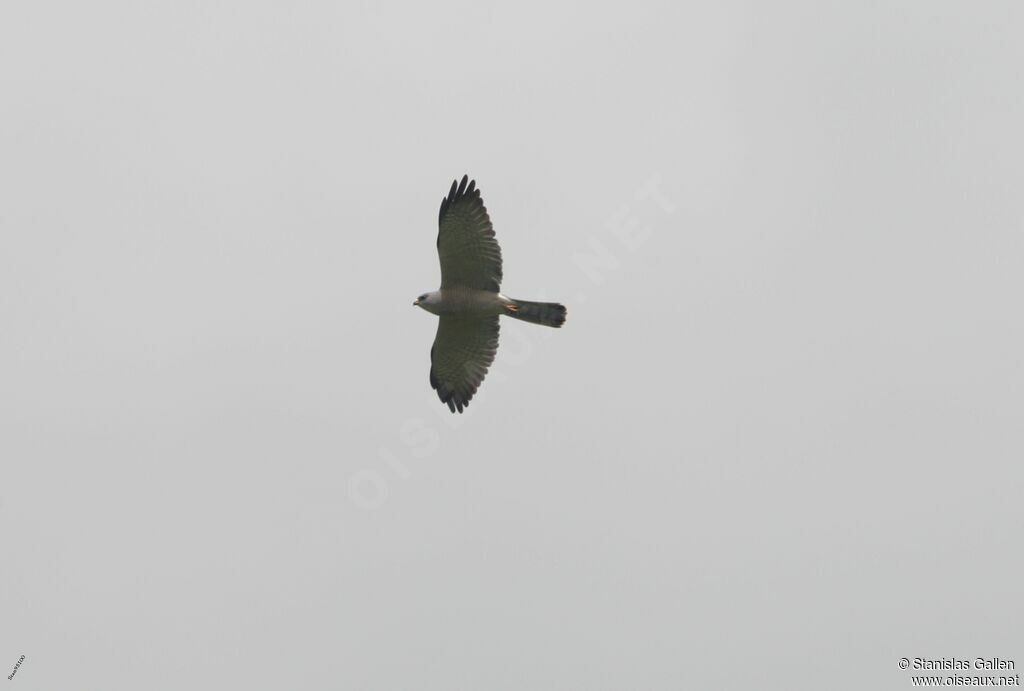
[(468, 302)]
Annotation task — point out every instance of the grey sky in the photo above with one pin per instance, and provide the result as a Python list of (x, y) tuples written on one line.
[(776, 445)]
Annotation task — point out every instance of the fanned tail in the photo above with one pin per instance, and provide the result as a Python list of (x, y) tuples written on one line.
[(546, 313)]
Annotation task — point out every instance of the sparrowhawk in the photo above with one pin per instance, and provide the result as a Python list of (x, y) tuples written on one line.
[(468, 302)]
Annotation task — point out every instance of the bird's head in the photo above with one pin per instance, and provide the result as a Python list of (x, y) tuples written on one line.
[(427, 300)]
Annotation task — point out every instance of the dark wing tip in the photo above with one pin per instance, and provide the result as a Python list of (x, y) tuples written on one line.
[(458, 189), (447, 201), (449, 397)]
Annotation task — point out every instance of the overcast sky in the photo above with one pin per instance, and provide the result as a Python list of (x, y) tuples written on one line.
[(777, 444)]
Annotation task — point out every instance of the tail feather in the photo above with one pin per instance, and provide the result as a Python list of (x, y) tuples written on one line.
[(546, 313)]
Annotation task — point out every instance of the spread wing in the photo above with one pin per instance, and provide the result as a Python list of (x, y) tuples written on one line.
[(470, 256), (463, 350)]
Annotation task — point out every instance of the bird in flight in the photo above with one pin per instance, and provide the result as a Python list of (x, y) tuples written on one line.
[(468, 302)]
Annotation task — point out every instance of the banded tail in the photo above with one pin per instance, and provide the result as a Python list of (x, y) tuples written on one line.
[(546, 313)]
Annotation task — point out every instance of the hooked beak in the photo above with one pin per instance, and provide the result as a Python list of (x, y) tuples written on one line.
[(415, 302)]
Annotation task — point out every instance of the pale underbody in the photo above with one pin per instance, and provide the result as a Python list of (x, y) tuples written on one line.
[(467, 302)]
